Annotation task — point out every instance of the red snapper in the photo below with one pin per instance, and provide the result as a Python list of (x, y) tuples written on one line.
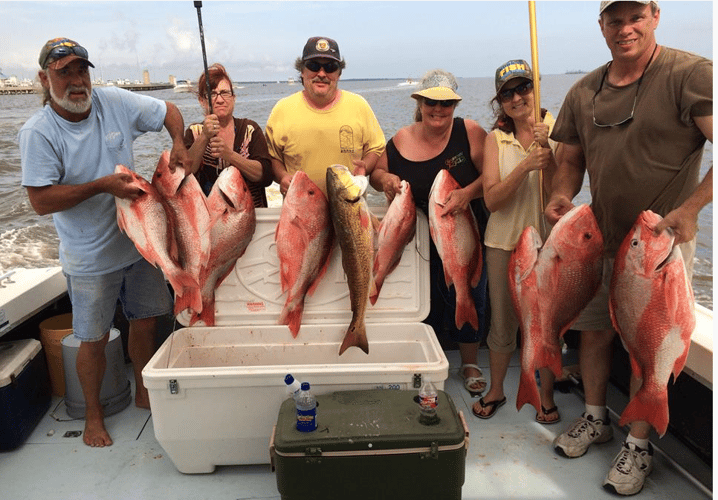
[(550, 284), (396, 230), (456, 237), (652, 309), (304, 238)]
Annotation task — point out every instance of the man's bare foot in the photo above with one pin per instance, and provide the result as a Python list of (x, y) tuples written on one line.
[(95, 433)]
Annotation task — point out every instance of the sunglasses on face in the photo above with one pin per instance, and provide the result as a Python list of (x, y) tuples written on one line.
[(328, 67), (523, 90), (447, 103), (63, 51)]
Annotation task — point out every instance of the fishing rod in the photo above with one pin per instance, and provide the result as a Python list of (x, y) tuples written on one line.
[(198, 5)]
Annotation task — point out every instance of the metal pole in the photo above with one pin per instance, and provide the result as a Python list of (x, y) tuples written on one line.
[(198, 5)]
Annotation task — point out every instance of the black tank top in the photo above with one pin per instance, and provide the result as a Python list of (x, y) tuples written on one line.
[(456, 157)]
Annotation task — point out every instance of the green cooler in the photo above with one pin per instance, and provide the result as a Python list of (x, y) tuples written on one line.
[(370, 444)]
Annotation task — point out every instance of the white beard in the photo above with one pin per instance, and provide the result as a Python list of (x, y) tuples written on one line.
[(65, 103)]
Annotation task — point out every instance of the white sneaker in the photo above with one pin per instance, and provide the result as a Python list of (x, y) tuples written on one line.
[(583, 432), (630, 469)]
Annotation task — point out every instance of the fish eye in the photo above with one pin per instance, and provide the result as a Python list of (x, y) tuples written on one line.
[(634, 242)]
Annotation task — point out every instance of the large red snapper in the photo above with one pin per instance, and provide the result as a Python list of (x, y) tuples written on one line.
[(354, 229), (304, 238), (456, 237), (397, 229), (146, 223), (550, 284), (233, 222), (652, 309), (188, 206)]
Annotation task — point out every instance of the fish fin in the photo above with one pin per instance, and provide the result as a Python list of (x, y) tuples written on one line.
[(528, 391), (375, 222), (313, 287), (355, 337), (644, 407), (373, 297), (479, 266), (187, 301), (292, 318), (206, 315), (466, 311)]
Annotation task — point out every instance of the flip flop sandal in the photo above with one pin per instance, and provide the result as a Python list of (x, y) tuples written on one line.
[(470, 381), (548, 412), (494, 405)]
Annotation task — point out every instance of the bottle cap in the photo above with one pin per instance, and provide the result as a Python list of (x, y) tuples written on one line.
[(288, 379), (305, 386)]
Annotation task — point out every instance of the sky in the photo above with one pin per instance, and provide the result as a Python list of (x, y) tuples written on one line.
[(259, 40)]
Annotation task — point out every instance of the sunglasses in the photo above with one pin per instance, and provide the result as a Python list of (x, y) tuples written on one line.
[(328, 67), (63, 51), (447, 103), (523, 90)]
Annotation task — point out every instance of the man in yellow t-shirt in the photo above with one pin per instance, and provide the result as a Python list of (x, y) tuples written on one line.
[(322, 125)]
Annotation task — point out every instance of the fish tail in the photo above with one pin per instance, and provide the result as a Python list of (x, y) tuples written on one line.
[(466, 312), (528, 391), (292, 317), (355, 337), (648, 408), (206, 315)]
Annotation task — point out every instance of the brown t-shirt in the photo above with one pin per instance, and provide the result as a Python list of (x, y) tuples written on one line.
[(249, 142), (653, 161)]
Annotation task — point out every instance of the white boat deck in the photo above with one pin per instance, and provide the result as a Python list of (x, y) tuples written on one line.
[(509, 456)]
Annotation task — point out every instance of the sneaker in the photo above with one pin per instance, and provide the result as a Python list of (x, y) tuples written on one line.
[(630, 469), (582, 433)]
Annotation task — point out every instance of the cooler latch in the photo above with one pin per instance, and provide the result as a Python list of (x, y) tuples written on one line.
[(433, 452), (174, 386), (417, 381)]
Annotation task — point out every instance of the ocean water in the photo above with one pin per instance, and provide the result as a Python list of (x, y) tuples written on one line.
[(28, 240)]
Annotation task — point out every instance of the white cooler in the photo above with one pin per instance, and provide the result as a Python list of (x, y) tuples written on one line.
[(215, 392)]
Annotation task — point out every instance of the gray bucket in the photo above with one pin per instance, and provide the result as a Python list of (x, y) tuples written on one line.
[(115, 393)]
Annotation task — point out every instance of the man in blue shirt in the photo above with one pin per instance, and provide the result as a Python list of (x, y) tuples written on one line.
[(69, 150)]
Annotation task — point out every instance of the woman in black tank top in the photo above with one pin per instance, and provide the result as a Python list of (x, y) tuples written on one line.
[(417, 153)]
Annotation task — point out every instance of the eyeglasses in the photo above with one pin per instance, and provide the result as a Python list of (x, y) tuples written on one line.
[(224, 94), (523, 90), (329, 67), (63, 51), (635, 98), (447, 103)]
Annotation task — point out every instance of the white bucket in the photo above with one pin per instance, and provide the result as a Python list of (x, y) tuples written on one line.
[(115, 393)]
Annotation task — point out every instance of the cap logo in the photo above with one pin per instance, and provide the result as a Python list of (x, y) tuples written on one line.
[(512, 67), (322, 45)]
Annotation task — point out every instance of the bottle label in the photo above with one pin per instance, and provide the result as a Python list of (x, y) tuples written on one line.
[(429, 402), (306, 420)]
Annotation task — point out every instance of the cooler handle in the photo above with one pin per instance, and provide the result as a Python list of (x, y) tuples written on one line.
[(466, 430)]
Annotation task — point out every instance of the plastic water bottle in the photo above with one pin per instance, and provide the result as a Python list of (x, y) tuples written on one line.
[(293, 386), (306, 409), (428, 401)]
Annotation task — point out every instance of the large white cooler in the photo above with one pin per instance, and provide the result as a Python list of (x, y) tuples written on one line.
[(215, 392)]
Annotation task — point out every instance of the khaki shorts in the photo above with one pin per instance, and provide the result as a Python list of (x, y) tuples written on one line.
[(504, 323), (595, 317)]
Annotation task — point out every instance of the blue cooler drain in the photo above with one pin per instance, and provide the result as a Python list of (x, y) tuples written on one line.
[(115, 393)]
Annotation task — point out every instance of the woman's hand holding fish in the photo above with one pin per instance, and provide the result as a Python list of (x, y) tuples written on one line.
[(390, 183), (456, 202)]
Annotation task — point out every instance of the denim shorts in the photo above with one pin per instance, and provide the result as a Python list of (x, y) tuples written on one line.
[(140, 287)]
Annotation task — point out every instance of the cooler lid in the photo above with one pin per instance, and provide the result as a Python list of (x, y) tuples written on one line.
[(14, 357), (252, 293), (369, 421)]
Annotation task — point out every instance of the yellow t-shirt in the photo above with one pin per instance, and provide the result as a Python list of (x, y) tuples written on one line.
[(308, 139)]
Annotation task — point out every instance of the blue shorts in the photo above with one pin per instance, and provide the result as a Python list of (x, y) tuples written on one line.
[(140, 287)]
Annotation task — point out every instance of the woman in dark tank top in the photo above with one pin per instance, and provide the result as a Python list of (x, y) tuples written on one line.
[(417, 153)]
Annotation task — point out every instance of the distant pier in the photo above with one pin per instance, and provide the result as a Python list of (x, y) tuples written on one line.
[(135, 87)]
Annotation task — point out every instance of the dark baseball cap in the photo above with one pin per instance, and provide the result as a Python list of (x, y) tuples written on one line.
[(320, 46), (516, 68), (63, 51)]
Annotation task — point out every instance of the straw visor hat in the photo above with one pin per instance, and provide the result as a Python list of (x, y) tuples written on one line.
[(439, 85)]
